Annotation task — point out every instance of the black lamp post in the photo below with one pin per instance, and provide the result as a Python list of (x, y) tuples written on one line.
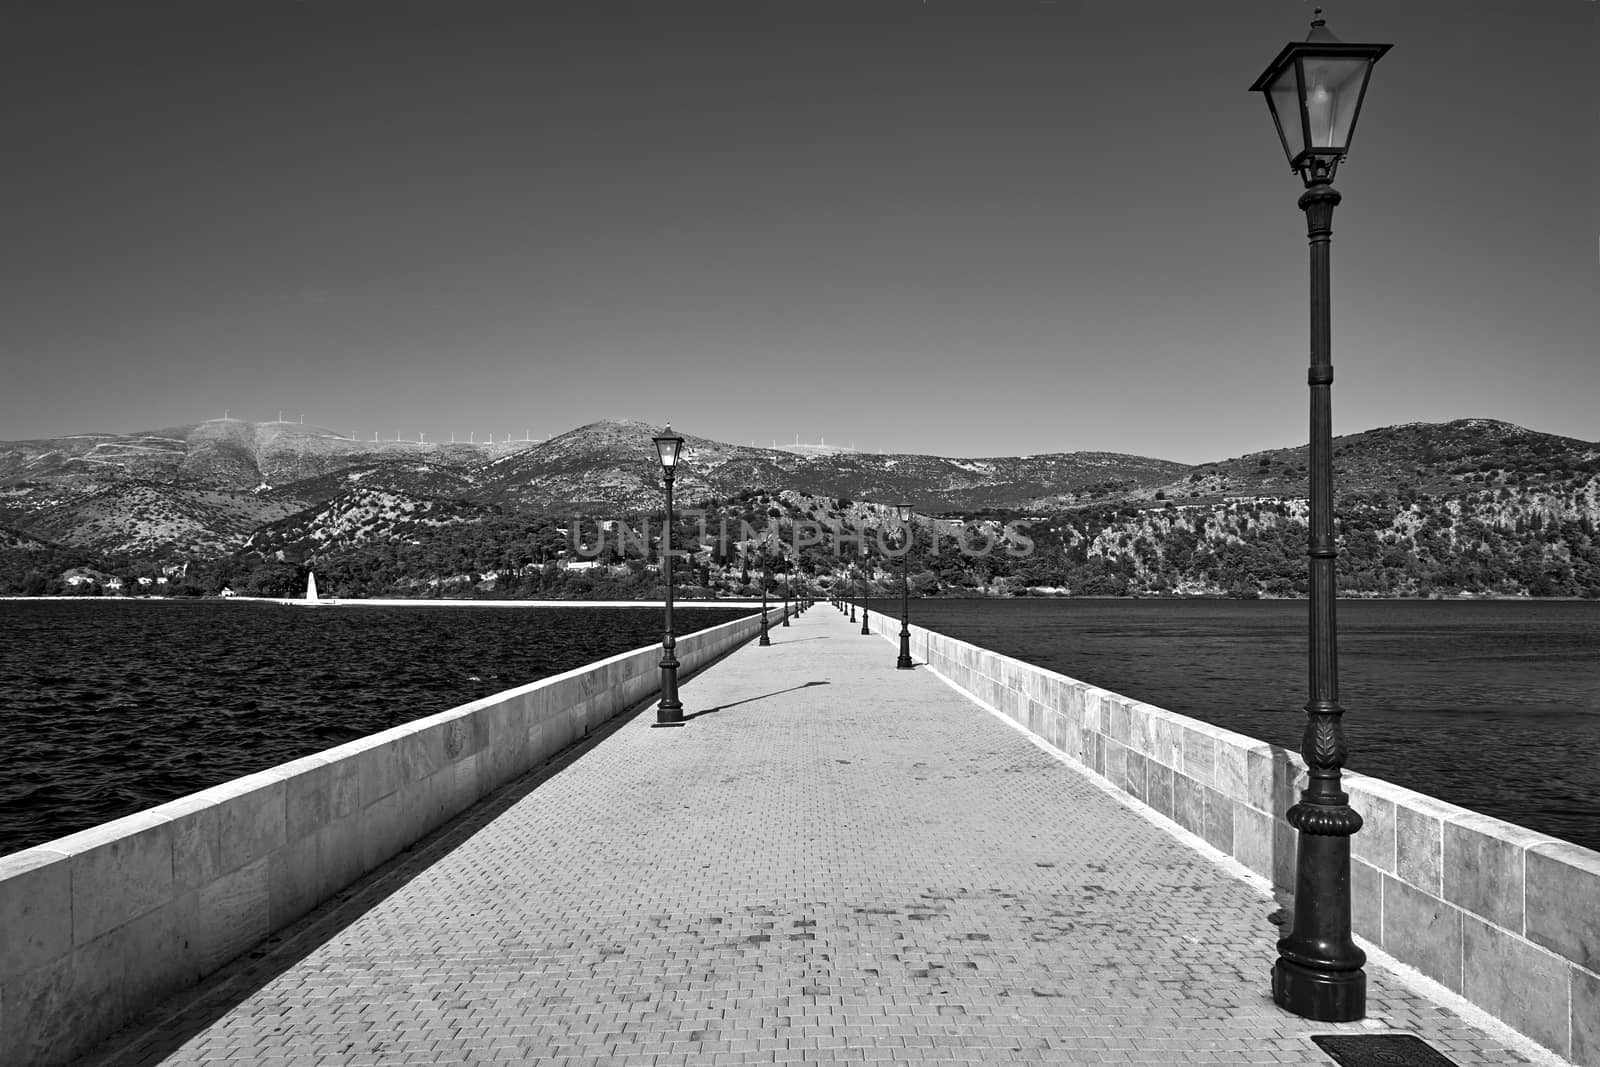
[(904, 662), (864, 610), (786, 576), (1314, 90), (670, 711), (766, 576)]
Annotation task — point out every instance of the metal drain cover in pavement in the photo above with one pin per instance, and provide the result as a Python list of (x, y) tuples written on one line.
[(1381, 1050)]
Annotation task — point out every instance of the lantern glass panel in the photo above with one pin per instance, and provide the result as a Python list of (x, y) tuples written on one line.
[(1333, 92), (1284, 98), (667, 448)]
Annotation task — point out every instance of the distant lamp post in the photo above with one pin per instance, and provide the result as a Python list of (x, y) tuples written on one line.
[(904, 662), (787, 575), (865, 630), (766, 577), (669, 712), (1314, 90)]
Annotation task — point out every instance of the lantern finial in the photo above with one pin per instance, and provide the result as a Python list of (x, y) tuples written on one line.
[(1320, 34)]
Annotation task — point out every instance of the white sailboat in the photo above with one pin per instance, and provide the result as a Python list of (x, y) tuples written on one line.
[(311, 587)]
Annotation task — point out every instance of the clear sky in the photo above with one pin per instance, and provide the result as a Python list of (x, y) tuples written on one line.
[(965, 228)]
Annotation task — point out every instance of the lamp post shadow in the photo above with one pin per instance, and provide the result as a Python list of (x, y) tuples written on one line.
[(748, 700)]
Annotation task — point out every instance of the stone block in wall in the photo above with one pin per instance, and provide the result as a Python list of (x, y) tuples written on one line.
[(1233, 769), (339, 858), (425, 803), (1141, 728), (1519, 983), (233, 913), (252, 817), (639, 687), (1119, 724), (119, 870), (1423, 931), (1116, 764), (383, 825), (1253, 839), (307, 796), (1376, 803), (1036, 717), (531, 707), (196, 840), (294, 880), (421, 746), (498, 734), (1166, 736), (1033, 683), (1095, 715), (1563, 897), (1055, 729), (463, 732), (377, 764), (1136, 778), (1483, 867), (33, 884), (540, 740), (1199, 754), (1218, 830), (1285, 849), (1076, 702), (1289, 779), (1261, 768), (1419, 841), (1001, 698), (1011, 675), (48, 1008), (1072, 733), (1188, 804), (470, 779), (1366, 901), (1054, 690), (1585, 993), (1158, 787), (564, 690), (157, 952)]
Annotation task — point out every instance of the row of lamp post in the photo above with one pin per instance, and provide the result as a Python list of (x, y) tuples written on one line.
[(1314, 90)]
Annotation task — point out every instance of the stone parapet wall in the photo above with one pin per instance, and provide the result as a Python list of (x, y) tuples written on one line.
[(1506, 917), (99, 926)]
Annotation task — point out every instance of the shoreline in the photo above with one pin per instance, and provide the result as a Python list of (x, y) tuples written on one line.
[(698, 602), (400, 602)]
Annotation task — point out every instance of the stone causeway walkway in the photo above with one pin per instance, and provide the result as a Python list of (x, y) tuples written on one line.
[(834, 861)]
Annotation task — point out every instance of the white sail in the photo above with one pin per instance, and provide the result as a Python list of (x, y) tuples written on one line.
[(311, 585)]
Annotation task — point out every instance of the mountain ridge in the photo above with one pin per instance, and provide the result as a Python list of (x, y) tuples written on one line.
[(285, 492)]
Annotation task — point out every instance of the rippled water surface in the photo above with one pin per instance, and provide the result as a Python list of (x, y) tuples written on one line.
[(1493, 705), (110, 707)]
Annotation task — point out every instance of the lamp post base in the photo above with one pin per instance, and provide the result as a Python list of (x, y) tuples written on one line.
[(904, 662), (1323, 996)]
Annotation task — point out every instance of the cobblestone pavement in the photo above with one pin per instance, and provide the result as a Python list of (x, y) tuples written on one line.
[(833, 861)]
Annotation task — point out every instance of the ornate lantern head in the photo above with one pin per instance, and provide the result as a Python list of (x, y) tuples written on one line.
[(1314, 90)]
